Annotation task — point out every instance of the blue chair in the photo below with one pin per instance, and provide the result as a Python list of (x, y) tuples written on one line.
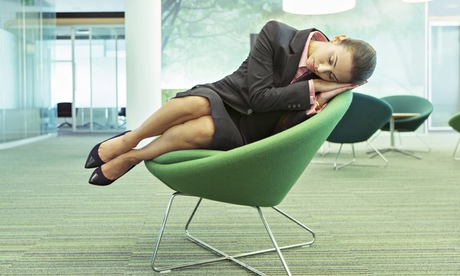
[(408, 104), (365, 116)]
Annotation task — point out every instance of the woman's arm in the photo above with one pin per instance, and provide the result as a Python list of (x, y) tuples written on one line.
[(266, 61)]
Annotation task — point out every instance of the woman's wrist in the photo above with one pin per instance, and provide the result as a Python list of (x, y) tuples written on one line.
[(318, 106)]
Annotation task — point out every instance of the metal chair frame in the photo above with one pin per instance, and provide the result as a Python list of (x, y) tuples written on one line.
[(455, 150), (223, 255), (400, 148), (421, 140), (338, 166), (352, 162)]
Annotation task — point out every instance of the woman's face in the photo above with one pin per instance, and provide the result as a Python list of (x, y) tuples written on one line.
[(331, 62)]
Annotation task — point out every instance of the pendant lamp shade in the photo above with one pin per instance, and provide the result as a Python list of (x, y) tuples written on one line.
[(416, 1), (316, 7)]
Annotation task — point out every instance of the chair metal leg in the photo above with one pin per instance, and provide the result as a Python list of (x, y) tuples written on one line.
[(65, 124), (338, 167), (324, 152), (157, 245), (275, 244), (421, 140), (378, 153), (352, 162), (396, 150), (223, 255), (455, 150), (393, 148)]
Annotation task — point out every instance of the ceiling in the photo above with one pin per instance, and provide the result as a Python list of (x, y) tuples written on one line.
[(90, 5), (85, 6), (436, 7), (443, 8)]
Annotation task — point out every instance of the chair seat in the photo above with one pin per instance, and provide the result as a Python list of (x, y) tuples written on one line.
[(185, 155)]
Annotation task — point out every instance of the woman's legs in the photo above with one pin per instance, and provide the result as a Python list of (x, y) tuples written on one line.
[(192, 134), (175, 112), (182, 123)]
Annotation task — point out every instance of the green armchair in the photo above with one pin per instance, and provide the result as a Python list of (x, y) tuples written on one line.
[(454, 122), (257, 175)]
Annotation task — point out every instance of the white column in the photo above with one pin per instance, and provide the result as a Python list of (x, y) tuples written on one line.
[(143, 59)]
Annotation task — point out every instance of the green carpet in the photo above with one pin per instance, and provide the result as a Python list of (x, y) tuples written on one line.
[(400, 220)]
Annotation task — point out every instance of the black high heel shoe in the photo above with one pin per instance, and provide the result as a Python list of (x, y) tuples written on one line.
[(99, 179), (94, 160)]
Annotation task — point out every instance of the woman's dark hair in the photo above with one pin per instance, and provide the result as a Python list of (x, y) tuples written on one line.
[(364, 59)]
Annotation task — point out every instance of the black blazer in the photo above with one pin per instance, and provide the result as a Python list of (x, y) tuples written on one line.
[(262, 82)]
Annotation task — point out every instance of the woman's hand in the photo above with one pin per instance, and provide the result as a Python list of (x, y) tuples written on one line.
[(323, 86), (328, 90)]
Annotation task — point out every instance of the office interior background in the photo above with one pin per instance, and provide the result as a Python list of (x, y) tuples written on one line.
[(399, 220), (75, 51)]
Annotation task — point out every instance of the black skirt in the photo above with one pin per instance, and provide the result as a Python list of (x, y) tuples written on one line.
[(233, 129), (227, 135)]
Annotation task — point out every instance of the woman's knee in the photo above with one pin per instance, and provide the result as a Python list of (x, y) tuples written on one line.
[(197, 105), (208, 125), (203, 131)]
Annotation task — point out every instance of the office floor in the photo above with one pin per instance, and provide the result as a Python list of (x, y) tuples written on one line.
[(400, 220)]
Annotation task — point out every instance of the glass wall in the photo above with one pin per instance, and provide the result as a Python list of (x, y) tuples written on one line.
[(91, 74), (27, 33)]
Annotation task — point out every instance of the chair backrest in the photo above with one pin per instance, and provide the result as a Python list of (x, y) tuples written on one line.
[(454, 122), (122, 112), (365, 116), (257, 174), (409, 104), (64, 110)]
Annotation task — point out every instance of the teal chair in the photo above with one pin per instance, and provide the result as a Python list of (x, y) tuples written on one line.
[(365, 116), (409, 104), (454, 122), (257, 175)]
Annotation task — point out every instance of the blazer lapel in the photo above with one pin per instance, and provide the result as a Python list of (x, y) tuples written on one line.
[(296, 46)]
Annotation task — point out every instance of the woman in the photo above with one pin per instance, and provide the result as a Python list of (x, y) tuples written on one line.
[(288, 77)]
